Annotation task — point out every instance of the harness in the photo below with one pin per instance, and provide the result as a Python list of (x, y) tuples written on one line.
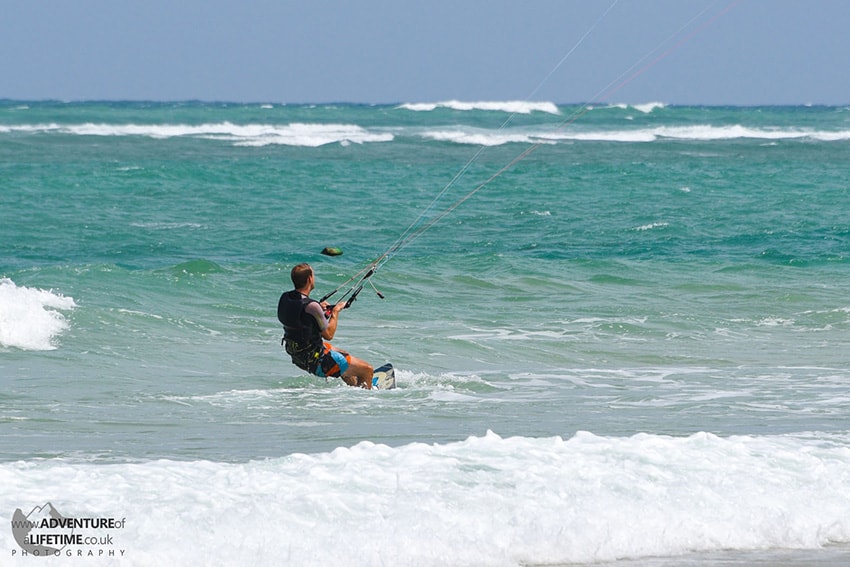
[(302, 338)]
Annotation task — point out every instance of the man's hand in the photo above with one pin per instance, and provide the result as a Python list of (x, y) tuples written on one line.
[(332, 309), (332, 313)]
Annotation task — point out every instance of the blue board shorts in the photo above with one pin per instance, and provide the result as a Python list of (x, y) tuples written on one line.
[(334, 362)]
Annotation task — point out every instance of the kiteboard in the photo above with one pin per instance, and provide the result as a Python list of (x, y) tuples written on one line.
[(384, 377)]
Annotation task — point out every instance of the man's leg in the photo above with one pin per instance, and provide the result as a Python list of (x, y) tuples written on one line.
[(359, 373)]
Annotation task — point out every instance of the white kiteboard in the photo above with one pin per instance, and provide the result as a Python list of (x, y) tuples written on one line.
[(384, 377)]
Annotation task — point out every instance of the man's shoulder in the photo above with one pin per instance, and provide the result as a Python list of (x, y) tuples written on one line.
[(295, 295), (313, 306)]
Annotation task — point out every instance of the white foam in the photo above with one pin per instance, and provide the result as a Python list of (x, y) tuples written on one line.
[(295, 134), (29, 317), (167, 225), (646, 108), (482, 501), (481, 137), (651, 226), (315, 134), (310, 135), (737, 131), (512, 106), (450, 396)]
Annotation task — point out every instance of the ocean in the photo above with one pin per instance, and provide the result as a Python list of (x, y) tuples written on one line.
[(629, 348)]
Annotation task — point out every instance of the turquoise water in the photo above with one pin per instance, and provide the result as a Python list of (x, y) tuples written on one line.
[(654, 290)]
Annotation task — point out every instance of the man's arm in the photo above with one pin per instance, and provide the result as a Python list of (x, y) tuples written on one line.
[(327, 326), (329, 331)]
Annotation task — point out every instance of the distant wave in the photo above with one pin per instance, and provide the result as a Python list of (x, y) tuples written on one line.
[(513, 107), (295, 134), (652, 226), (29, 317), (707, 132), (646, 108), (516, 106), (316, 134), (481, 137)]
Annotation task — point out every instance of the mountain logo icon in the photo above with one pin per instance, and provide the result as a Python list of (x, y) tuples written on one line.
[(26, 526)]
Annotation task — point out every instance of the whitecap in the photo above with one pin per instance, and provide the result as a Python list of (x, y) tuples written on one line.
[(651, 226), (30, 318), (512, 107), (485, 500), (648, 107), (294, 134)]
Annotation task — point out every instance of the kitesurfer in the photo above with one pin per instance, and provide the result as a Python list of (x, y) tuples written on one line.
[(307, 326)]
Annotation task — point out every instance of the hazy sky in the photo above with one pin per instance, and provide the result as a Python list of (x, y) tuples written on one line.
[(387, 51)]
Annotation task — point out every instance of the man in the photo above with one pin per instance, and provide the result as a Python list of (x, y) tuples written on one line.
[(305, 326)]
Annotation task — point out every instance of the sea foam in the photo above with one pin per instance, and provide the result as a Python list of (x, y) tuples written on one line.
[(513, 107), (293, 134), (484, 501), (496, 137), (30, 318), (646, 108), (319, 134)]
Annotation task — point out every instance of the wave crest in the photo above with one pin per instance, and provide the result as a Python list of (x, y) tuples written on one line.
[(294, 134), (646, 107), (707, 133), (30, 318), (511, 106)]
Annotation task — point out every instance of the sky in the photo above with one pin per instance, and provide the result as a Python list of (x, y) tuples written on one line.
[(713, 52)]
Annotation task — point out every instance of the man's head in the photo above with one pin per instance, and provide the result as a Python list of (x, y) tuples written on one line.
[(301, 277)]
